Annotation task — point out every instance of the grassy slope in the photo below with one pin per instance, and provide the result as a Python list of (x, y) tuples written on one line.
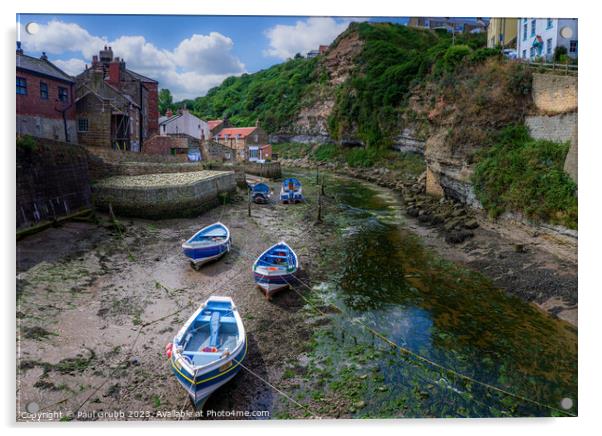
[(522, 174)]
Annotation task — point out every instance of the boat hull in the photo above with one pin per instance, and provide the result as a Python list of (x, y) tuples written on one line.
[(201, 255), (271, 284), (199, 388)]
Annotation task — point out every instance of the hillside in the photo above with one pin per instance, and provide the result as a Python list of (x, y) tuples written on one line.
[(381, 86), (355, 92)]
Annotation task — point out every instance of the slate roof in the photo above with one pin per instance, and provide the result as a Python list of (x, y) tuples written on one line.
[(43, 67), (141, 77)]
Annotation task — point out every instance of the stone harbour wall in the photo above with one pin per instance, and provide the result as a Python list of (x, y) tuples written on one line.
[(164, 196), (52, 181)]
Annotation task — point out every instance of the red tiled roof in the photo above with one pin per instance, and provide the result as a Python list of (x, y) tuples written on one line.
[(233, 131), (214, 123)]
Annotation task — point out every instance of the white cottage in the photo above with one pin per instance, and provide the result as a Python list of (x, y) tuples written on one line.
[(183, 123), (539, 37)]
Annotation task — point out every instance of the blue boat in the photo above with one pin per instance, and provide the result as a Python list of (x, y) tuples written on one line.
[(260, 193), (208, 350), (207, 244), (291, 191), (274, 269)]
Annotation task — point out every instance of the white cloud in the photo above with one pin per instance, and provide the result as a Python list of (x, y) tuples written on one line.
[(205, 53), (303, 36), (196, 65), (58, 37), (72, 66)]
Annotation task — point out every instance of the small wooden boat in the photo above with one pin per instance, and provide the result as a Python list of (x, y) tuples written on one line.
[(291, 191), (274, 269), (209, 348), (207, 244), (260, 193)]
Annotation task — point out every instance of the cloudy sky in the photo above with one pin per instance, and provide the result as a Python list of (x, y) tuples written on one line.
[(186, 54)]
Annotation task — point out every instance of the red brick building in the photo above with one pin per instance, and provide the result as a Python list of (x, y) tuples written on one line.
[(116, 107), (44, 99)]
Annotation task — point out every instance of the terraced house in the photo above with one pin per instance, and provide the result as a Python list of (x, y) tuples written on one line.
[(539, 37), (116, 107), (44, 99)]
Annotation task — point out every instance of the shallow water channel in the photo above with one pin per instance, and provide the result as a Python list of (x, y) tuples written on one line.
[(462, 347)]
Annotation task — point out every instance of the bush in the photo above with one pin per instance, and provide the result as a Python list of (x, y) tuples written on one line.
[(521, 80), (525, 175), (27, 143), (455, 55), (484, 53), (559, 52)]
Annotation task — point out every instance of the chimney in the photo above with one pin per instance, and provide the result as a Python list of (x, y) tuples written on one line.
[(169, 113), (19, 49), (257, 123), (114, 72), (94, 61), (44, 57)]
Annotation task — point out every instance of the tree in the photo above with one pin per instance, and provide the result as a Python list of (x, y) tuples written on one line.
[(165, 101)]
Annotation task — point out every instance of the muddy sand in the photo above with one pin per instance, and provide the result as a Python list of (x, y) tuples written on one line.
[(95, 311)]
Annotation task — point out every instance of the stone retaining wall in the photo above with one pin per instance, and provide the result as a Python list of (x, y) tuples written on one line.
[(557, 128), (164, 196), (271, 170), (554, 93)]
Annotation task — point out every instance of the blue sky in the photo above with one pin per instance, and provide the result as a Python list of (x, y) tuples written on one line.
[(187, 54)]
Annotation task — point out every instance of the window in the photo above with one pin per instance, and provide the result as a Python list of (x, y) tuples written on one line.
[(549, 46), (254, 154), (533, 22), (524, 54), (532, 52), (63, 94), (573, 46), (44, 91), (549, 23), (82, 125), (21, 86), (525, 31)]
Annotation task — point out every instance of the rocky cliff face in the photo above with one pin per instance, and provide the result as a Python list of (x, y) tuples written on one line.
[(335, 66)]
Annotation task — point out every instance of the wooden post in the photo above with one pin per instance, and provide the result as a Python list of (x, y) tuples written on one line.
[(322, 186), (319, 217), (249, 202), (317, 175)]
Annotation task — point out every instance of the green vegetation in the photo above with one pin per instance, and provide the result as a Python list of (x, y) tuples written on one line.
[(274, 96), (393, 60), (26, 143), (291, 150), (521, 174)]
